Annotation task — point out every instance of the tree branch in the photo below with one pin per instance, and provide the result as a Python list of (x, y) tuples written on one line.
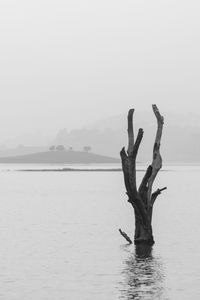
[(155, 195), (130, 132), (128, 161), (127, 238), (129, 167), (157, 159), (125, 168), (137, 142)]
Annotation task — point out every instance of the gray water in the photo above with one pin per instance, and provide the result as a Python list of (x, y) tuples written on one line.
[(59, 237)]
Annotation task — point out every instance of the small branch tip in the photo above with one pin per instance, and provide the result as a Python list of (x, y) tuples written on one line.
[(131, 110)]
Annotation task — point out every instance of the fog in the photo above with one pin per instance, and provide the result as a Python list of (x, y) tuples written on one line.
[(65, 64)]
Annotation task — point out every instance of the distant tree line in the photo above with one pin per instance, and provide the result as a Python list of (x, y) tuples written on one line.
[(62, 148)]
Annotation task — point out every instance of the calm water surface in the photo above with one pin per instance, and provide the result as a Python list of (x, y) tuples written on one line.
[(59, 237)]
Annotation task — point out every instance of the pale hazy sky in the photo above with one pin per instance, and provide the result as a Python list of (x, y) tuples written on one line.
[(66, 63)]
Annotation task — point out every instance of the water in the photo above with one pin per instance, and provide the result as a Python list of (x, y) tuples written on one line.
[(59, 237)]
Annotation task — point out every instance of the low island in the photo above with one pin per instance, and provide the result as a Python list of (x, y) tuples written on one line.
[(66, 157)]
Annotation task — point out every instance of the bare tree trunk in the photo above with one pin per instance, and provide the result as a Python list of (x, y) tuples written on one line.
[(142, 199)]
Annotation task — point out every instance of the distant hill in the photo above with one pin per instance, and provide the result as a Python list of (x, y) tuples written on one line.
[(69, 157), (180, 141)]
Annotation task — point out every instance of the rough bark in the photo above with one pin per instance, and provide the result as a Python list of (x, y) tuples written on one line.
[(142, 199)]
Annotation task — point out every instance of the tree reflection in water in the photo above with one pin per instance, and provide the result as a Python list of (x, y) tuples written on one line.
[(143, 276)]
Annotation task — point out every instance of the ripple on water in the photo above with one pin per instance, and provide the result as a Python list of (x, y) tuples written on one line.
[(142, 277)]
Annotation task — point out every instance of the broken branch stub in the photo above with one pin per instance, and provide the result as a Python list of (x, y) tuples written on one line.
[(127, 238)]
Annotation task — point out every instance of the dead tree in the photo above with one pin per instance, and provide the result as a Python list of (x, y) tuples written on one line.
[(142, 199)]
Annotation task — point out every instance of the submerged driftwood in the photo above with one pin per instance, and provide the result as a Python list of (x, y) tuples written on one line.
[(142, 199)]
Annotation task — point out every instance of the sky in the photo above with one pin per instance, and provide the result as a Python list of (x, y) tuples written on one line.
[(66, 63)]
